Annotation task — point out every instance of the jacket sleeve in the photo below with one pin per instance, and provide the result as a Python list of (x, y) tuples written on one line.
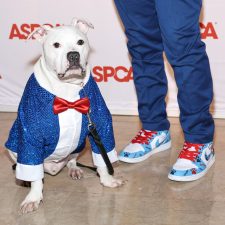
[(29, 148)]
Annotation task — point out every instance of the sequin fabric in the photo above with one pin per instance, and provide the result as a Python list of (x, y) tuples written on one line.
[(35, 132)]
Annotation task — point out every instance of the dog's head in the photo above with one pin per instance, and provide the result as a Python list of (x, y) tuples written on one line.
[(65, 49)]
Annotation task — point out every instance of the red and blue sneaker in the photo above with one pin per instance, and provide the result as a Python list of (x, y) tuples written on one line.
[(145, 144), (193, 162)]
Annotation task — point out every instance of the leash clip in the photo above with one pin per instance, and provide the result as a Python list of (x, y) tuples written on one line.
[(91, 125)]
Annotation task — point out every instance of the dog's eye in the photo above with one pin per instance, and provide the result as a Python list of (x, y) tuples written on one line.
[(80, 42), (56, 45)]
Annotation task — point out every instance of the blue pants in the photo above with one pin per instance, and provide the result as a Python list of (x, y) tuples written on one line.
[(154, 26)]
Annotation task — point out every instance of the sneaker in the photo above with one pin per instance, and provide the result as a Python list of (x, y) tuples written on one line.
[(145, 144), (193, 162)]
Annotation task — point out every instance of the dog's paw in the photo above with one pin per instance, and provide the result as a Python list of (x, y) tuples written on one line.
[(110, 181), (30, 203), (29, 207), (75, 173)]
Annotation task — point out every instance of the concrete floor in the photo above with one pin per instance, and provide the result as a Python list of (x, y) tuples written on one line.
[(147, 198)]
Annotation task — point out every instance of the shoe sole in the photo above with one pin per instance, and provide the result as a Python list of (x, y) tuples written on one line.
[(161, 148), (193, 177)]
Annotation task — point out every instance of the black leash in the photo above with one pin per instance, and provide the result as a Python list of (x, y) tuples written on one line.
[(97, 139), (89, 167)]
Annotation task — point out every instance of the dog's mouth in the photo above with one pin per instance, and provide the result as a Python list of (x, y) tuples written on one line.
[(73, 72)]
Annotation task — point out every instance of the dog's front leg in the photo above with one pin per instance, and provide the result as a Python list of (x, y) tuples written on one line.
[(74, 172), (108, 180), (34, 197)]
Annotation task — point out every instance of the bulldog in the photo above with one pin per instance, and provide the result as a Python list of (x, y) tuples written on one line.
[(52, 123)]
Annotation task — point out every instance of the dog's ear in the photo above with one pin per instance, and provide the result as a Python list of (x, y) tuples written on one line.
[(82, 25), (40, 33)]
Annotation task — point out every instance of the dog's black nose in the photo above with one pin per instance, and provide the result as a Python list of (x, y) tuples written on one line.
[(73, 57)]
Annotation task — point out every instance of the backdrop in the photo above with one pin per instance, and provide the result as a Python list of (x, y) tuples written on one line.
[(109, 56)]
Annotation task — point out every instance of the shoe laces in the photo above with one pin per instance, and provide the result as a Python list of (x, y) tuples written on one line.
[(190, 151), (143, 137)]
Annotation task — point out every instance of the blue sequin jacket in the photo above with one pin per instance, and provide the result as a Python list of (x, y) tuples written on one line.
[(35, 132)]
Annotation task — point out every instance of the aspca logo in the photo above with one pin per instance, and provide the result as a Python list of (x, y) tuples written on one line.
[(22, 31), (208, 31), (106, 73)]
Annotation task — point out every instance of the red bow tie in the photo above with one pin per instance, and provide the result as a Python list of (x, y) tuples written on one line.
[(60, 105)]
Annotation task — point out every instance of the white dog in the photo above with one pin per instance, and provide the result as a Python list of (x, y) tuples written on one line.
[(52, 125)]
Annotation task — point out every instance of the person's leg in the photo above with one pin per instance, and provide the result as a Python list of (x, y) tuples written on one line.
[(179, 23), (145, 47)]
